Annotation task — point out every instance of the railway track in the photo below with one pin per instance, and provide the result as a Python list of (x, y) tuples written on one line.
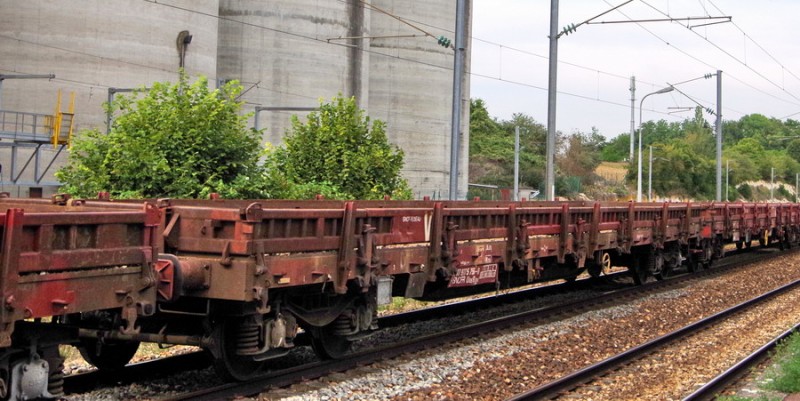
[(83, 382), (144, 371), (570, 386), (516, 321), (735, 373)]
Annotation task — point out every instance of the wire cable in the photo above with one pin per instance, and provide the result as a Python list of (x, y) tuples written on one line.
[(729, 55)]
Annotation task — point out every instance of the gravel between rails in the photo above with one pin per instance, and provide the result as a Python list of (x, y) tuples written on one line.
[(676, 371), (198, 379), (499, 366)]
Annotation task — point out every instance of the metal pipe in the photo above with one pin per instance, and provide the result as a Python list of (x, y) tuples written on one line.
[(197, 341), (111, 93), (3, 77)]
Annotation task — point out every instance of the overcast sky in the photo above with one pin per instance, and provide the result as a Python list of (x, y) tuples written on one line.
[(510, 67)]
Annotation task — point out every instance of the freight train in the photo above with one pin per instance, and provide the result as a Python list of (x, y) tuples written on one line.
[(241, 278)]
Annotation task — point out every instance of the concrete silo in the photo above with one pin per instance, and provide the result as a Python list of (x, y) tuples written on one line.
[(91, 46), (290, 54), (410, 87), (287, 54)]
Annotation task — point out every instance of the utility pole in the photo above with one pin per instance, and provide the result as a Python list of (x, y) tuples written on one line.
[(719, 135), (458, 75), (516, 164), (772, 185), (633, 121), (3, 77), (551, 103)]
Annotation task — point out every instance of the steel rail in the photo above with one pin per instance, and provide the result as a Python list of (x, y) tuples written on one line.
[(528, 318), (709, 390), (575, 379)]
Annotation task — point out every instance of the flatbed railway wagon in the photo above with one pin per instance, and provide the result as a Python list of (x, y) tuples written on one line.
[(65, 267), (239, 278)]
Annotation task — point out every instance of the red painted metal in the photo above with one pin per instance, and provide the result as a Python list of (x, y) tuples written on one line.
[(61, 257)]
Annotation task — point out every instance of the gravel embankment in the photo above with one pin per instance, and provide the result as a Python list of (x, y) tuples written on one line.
[(676, 371), (502, 365), (498, 366)]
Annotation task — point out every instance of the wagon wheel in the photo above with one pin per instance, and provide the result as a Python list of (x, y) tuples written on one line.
[(660, 266), (692, 264), (739, 245), (103, 353), (55, 379), (234, 336), (603, 265), (107, 354), (329, 345), (639, 269)]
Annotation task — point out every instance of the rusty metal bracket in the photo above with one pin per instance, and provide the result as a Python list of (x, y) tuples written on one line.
[(436, 234), (60, 199), (594, 231), (168, 273), (129, 314), (346, 249), (512, 239), (563, 234), (449, 248), (225, 259), (580, 237), (169, 238), (253, 213), (261, 295), (523, 244), (11, 248), (367, 260)]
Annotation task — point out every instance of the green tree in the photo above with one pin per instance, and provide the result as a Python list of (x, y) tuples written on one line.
[(337, 152), (174, 140), (581, 156), (491, 150), (617, 149)]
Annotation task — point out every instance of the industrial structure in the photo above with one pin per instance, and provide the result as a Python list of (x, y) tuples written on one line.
[(288, 55)]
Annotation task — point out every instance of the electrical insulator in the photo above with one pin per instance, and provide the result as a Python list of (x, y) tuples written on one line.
[(569, 29), (443, 41), (707, 76)]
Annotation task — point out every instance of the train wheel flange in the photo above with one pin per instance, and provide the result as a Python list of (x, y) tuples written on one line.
[(328, 342), (231, 335)]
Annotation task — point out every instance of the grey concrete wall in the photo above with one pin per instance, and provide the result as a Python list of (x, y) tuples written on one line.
[(289, 54), (411, 85), (285, 53), (93, 45)]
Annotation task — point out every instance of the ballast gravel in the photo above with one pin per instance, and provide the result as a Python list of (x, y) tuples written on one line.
[(493, 367), (499, 366)]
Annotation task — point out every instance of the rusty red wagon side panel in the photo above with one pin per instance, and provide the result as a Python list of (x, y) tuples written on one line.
[(56, 260)]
